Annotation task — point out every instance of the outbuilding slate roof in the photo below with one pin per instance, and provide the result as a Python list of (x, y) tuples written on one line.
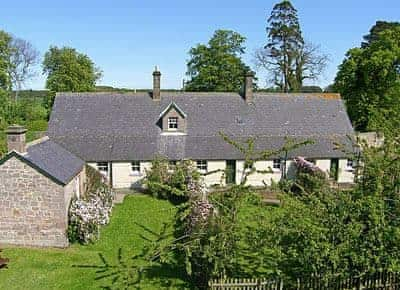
[(123, 127), (54, 160)]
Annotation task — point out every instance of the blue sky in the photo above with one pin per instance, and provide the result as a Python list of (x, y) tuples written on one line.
[(126, 39)]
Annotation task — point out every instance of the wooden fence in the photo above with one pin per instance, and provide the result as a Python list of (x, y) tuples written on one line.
[(245, 284), (374, 281)]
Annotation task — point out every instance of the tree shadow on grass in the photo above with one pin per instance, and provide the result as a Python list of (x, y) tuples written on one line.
[(134, 272)]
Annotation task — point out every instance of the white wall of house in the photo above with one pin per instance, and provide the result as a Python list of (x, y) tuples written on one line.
[(324, 165), (258, 178), (216, 178), (124, 177), (346, 175)]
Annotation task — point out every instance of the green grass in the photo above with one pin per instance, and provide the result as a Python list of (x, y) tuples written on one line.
[(57, 268)]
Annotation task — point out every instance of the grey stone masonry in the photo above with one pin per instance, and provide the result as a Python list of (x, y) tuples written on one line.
[(33, 208), (16, 139)]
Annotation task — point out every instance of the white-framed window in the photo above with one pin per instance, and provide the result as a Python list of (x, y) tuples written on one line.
[(350, 165), (172, 123), (135, 167), (102, 167), (202, 165), (276, 164), (171, 165), (248, 166)]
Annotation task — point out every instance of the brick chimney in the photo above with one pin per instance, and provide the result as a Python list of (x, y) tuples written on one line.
[(156, 84), (16, 138), (248, 87)]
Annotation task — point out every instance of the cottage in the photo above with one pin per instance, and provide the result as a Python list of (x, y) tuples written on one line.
[(119, 134)]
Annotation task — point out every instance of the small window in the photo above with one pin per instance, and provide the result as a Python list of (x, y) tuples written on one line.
[(173, 123), (135, 167), (102, 167), (313, 161), (248, 166), (202, 165), (171, 165), (350, 164), (276, 164)]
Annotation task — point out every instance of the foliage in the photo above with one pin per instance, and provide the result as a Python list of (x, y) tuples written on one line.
[(68, 70), (217, 65), (5, 65), (173, 182), (288, 59), (374, 32), (369, 81), (94, 179), (88, 213)]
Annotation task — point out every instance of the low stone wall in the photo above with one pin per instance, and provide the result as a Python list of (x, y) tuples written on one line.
[(32, 207)]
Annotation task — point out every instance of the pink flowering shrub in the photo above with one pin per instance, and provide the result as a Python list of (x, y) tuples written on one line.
[(86, 216), (309, 177)]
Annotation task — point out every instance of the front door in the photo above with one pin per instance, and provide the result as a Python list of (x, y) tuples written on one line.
[(334, 170), (230, 171)]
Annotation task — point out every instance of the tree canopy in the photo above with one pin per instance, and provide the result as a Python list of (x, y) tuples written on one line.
[(69, 70), (5, 80), (369, 80), (217, 65), (288, 59)]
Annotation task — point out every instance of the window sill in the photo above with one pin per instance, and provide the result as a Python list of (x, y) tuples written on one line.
[(135, 174), (274, 170)]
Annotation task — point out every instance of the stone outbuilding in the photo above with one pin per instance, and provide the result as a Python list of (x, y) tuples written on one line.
[(37, 182)]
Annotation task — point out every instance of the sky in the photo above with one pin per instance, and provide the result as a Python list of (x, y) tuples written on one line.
[(127, 39)]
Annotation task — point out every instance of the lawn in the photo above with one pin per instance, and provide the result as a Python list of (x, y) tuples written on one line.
[(131, 224)]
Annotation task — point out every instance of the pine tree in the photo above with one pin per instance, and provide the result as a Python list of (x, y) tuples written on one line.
[(285, 42)]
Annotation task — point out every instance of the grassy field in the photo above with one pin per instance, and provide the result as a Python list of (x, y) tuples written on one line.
[(131, 224)]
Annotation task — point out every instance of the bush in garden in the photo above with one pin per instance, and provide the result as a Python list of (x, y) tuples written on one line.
[(87, 215), (309, 177), (175, 183)]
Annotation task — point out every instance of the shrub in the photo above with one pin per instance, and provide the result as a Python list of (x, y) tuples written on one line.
[(175, 183), (37, 125), (87, 215)]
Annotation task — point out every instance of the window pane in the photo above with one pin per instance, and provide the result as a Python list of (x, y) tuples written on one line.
[(173, 122), (276, 164), (202, 165), (102, 166), (135, 166)]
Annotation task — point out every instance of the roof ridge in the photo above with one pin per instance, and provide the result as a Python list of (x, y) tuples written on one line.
[(37, 141)]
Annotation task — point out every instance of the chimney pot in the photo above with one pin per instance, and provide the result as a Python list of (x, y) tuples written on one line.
[(156, 84), (248, 87), (16, 139)]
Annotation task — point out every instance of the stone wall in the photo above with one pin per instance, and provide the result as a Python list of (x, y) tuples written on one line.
[(32, 207)]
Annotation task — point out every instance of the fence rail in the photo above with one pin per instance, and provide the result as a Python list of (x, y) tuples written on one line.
[(245, 284), (374, 281)]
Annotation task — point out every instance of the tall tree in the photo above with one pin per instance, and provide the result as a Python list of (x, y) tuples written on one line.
[(68, 70), (5, 81), (369, 81), (217, 65), (287, 57), (376, 29), (23, 57)]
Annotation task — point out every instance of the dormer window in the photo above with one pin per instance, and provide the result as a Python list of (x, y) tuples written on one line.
[(173, 120), (173, 123)]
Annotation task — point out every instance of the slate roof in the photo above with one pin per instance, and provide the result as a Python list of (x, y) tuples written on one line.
[(123, 127), (50, 159)]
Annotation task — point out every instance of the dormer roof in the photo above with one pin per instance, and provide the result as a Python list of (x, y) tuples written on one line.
[(173, 105)]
